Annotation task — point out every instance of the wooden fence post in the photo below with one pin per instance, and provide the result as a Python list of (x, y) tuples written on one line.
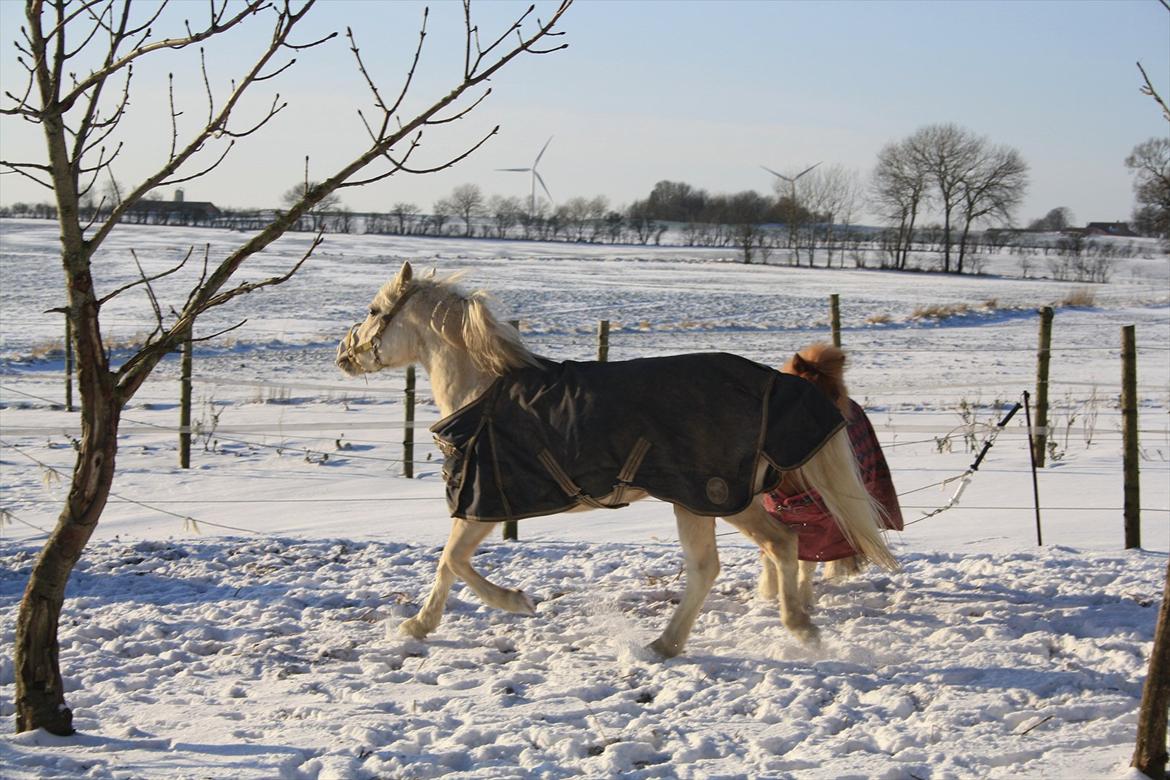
[(1149, 755), (408, 428), (185, 361), (835, 318), (1129, 425), (68, 363), (511, 530), (1043, 357), (603, 340)]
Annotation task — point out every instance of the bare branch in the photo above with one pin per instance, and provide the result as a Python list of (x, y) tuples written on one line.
[(223, 297), (286, 22), (517, 28), (202, 277), (1148, 88), (273, 110), (401, 166), (365, 74), (462, 113), (144, 279), (150, 296), (204, 172), (252, 7), (277, 72), (174, 115), (207, 86), (422, 34), (16, 168), (303, 46), (219, 333)]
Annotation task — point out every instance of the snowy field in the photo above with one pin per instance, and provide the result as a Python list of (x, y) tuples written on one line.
[(239, 618)]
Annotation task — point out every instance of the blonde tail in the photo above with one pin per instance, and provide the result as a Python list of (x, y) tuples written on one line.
[(834, 474)]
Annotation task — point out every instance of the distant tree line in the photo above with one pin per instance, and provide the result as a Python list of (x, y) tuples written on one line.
[(944, 198)]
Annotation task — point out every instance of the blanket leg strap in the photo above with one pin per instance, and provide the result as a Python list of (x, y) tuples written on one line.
[(630, 469), (571, 488)]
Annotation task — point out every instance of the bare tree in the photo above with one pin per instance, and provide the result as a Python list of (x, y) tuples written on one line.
[(900, 190), (1150, 163), (467, 202), (441, 213), (828, 193), (404, 213), (505, 212), (991, 188), (948, 153), (1056, 219), (79, 56)]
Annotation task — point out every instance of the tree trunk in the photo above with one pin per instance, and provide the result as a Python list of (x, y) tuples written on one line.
[(963, 246), (1149, 756), (947, 240), (40, 696), (909, 238)]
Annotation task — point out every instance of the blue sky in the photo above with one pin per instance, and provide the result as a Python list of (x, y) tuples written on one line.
[(703, 92)]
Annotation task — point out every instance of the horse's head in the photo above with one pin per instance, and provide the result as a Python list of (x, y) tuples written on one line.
[(410, 319), (376, 343), (823, 365)]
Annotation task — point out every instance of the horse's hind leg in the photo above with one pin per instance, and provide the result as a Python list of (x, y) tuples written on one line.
[(804, 587), (843, 568), (456, 562), (697, 536), (768, 587), (779, 544)]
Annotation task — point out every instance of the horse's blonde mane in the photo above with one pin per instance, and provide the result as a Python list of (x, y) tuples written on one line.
[(465, 321)]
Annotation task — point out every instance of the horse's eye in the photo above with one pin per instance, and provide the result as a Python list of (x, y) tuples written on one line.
[(373, 312)]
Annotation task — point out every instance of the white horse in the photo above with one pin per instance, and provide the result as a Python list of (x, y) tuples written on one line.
[(464, 350)]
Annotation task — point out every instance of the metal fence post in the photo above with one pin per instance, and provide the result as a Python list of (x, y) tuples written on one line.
[(1129, 424)]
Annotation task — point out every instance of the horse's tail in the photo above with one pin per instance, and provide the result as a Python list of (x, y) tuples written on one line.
[(834, 474)]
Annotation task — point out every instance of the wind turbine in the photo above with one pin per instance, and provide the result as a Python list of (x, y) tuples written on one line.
[(535, 178), (790, 179)]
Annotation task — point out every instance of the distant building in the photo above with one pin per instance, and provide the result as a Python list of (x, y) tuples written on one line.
[(1120, 229), (173, 212)]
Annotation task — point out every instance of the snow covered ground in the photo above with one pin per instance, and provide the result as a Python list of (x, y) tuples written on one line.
[(238, 618)]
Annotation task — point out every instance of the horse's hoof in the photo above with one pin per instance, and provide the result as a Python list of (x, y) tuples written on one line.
[(520, 604), (662, 649), (809, 636), (413, 628)]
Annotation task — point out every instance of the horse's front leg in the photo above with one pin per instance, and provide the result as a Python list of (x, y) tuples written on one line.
[(455, 562), (697, 535)]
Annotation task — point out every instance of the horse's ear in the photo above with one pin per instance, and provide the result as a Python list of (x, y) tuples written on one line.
[(430, 274), (801, 366), (404, 275)]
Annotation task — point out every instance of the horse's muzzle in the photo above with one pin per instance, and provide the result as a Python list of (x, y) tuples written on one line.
[(346, 356)]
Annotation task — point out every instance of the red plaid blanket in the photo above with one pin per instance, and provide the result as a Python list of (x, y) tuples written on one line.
[(819, 538)]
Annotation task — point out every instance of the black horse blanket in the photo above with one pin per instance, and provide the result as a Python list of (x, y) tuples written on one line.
[(688, 429)]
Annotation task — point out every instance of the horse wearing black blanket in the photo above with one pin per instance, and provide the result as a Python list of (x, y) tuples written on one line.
[(526, 437)]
